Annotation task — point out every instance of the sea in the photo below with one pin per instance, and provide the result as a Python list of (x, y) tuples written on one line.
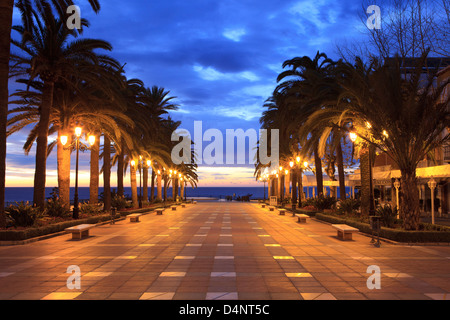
[(25, 194)]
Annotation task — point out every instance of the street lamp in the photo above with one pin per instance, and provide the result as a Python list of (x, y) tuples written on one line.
[(397, 186), (141, 163), (432, 185), (78, 145)]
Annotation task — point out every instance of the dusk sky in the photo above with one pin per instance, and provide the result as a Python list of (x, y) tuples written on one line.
[(219, 58)]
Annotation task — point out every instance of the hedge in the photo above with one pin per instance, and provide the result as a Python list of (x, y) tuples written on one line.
[(392, 234), (21, 235), (308, 212)]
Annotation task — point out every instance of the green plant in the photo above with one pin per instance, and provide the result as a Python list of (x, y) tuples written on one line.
[(119, 202), (23, 214), (308, 202), (388, 215), (324, 203), (349, 206), (89, 209), (56, 208)]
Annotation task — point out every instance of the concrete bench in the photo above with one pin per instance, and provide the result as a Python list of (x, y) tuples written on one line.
[(302, 218), (174, 208), (263, 206), (344, 232), (183, 205), (281, 212), (134, 217), (159, 212), (81, 231), (271, 208), (195, 202)]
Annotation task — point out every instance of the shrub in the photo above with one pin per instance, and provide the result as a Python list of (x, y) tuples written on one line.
[(118, 202), (388, 215), (308, 202), (324, 203), (89, 209), (349, 206), (55, 208), (23, 214)]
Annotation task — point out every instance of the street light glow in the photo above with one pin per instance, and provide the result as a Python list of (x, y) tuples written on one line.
[(64, 140), (91, 140)]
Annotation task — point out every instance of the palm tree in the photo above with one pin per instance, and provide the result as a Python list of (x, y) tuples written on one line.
[(6, 14), (86, 105), (50, 57), (301, 85), (402, 116)]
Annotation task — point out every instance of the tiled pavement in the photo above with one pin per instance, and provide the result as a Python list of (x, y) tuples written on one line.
[(214, 251)]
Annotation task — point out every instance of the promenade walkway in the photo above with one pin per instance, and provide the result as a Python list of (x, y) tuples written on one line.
[(220, 250)]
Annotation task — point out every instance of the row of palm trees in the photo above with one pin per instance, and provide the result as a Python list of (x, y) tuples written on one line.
[(70, 81), (320, 103)]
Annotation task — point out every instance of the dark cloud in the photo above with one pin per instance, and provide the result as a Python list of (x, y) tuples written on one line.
[(220, 58)]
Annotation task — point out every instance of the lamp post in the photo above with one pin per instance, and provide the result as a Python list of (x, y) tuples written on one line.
[(140, 181), (294, 187), (263, 179), (77, 144), (397, 187), (432, 185)]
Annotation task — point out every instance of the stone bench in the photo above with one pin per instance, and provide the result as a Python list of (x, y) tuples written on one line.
[(195, 202), (183, 205), (271, 208), (81, 231), (344, 232), (159, 212), (134, 217), (302, 218), (281, 212), (174, 208), (263, 206)]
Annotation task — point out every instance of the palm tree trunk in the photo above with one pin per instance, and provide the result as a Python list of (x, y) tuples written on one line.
[(341, 172), (173, 189), (409, 199), (106, 173), (41, 144), (95, 172), (319, 172), (166, 185), (294, 187), (134, 195), (182, 190), (300, 187), (364, 164), (152, 187), (120, 168), (159, 187), (63, 160), (176, 189), (6, 14), (145, 185)]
